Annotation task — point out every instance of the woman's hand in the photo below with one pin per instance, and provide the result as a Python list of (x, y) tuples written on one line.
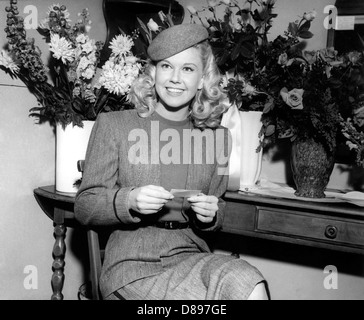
[(204, 206), (148, 199)]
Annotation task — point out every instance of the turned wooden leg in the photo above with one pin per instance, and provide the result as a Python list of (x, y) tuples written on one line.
[(59, 251)]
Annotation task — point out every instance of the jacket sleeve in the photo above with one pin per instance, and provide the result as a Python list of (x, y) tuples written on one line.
[(100, 199), (219, 179)]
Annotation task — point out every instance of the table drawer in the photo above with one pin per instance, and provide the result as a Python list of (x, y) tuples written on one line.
[(310, 226)]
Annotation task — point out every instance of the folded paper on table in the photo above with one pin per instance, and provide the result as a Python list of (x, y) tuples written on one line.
[(183, 193), (277, 190), (354, 197)]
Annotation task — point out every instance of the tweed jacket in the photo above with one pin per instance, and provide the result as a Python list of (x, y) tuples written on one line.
[(112, 170)]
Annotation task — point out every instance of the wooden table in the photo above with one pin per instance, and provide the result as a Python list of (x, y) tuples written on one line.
[(336, 226)]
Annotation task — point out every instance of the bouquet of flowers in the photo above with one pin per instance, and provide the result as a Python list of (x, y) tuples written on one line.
[(312, 93), (243, 53), (79, 90)]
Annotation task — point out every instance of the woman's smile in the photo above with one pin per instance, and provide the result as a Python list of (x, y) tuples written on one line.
[(174, 91)]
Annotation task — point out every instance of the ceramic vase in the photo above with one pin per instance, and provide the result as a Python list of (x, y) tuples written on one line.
[(251, 154), (245, 162), (311, 166), (71, 145)]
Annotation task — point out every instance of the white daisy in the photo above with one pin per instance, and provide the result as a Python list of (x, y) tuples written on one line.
[(121, 45), (61, 48)]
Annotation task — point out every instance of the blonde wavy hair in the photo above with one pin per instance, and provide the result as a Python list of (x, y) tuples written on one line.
[(209, 103)]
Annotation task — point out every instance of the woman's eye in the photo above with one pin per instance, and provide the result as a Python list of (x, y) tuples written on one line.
[(165, 66), (188, 69)]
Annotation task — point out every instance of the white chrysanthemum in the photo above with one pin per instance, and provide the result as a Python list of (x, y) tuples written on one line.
[(61, 48), (117, 79), (7, 62), (121, 45)]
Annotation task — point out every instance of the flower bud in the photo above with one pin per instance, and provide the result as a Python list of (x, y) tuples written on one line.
[(152, 25), (162, 16), (310, 15)]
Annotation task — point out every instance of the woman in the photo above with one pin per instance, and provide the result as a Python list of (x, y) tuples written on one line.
[(136, 163)]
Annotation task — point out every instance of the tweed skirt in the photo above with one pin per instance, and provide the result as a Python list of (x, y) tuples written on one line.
[(202, 276)]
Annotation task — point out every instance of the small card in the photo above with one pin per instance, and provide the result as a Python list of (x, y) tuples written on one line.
[(183, 193)]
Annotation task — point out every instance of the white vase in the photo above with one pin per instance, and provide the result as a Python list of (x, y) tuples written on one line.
[(251, 158), (245, 163), (71, 145)]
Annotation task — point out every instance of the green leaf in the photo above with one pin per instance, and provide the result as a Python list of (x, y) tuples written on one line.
[(142, 24), (270, 130), (236, 52), (293, 28), (268, 106), (306, 26), (247, 50), (305, 34)]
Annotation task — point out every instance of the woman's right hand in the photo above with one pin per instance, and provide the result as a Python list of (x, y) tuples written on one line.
[(148, 199)]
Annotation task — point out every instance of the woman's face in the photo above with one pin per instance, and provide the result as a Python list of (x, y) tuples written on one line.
[(178, 78)]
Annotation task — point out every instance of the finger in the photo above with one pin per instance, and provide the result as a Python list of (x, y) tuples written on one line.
[(205, 206), (149, 208), (146, 212), (202, 211), (204, 219), (158, 192), (151, 200)]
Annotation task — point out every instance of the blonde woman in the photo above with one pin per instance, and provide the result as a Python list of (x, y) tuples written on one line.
[(157, 174)]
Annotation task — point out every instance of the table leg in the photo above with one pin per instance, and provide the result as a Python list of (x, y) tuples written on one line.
[(59, 251)]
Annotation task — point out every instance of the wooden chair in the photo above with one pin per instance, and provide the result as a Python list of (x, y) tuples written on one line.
[(95, 251), (96, 256)]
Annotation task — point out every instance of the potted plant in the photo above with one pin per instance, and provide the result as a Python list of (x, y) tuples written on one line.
[(247, 59), (72, 89), (311, 97)]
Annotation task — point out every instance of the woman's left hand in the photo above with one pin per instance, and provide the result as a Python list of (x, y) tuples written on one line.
[(204, 206)]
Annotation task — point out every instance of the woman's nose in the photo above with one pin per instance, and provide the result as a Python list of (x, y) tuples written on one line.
[(176, 76)]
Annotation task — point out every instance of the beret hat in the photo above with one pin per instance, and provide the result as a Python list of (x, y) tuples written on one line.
[(176, 39)]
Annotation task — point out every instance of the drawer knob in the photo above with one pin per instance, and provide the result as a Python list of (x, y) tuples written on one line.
[(331, 232)]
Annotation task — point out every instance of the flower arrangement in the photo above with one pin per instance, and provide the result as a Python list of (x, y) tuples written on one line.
[(312, 93), (78, 90)]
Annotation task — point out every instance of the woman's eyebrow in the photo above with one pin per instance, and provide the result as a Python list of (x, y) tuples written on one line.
[(184, 64)]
